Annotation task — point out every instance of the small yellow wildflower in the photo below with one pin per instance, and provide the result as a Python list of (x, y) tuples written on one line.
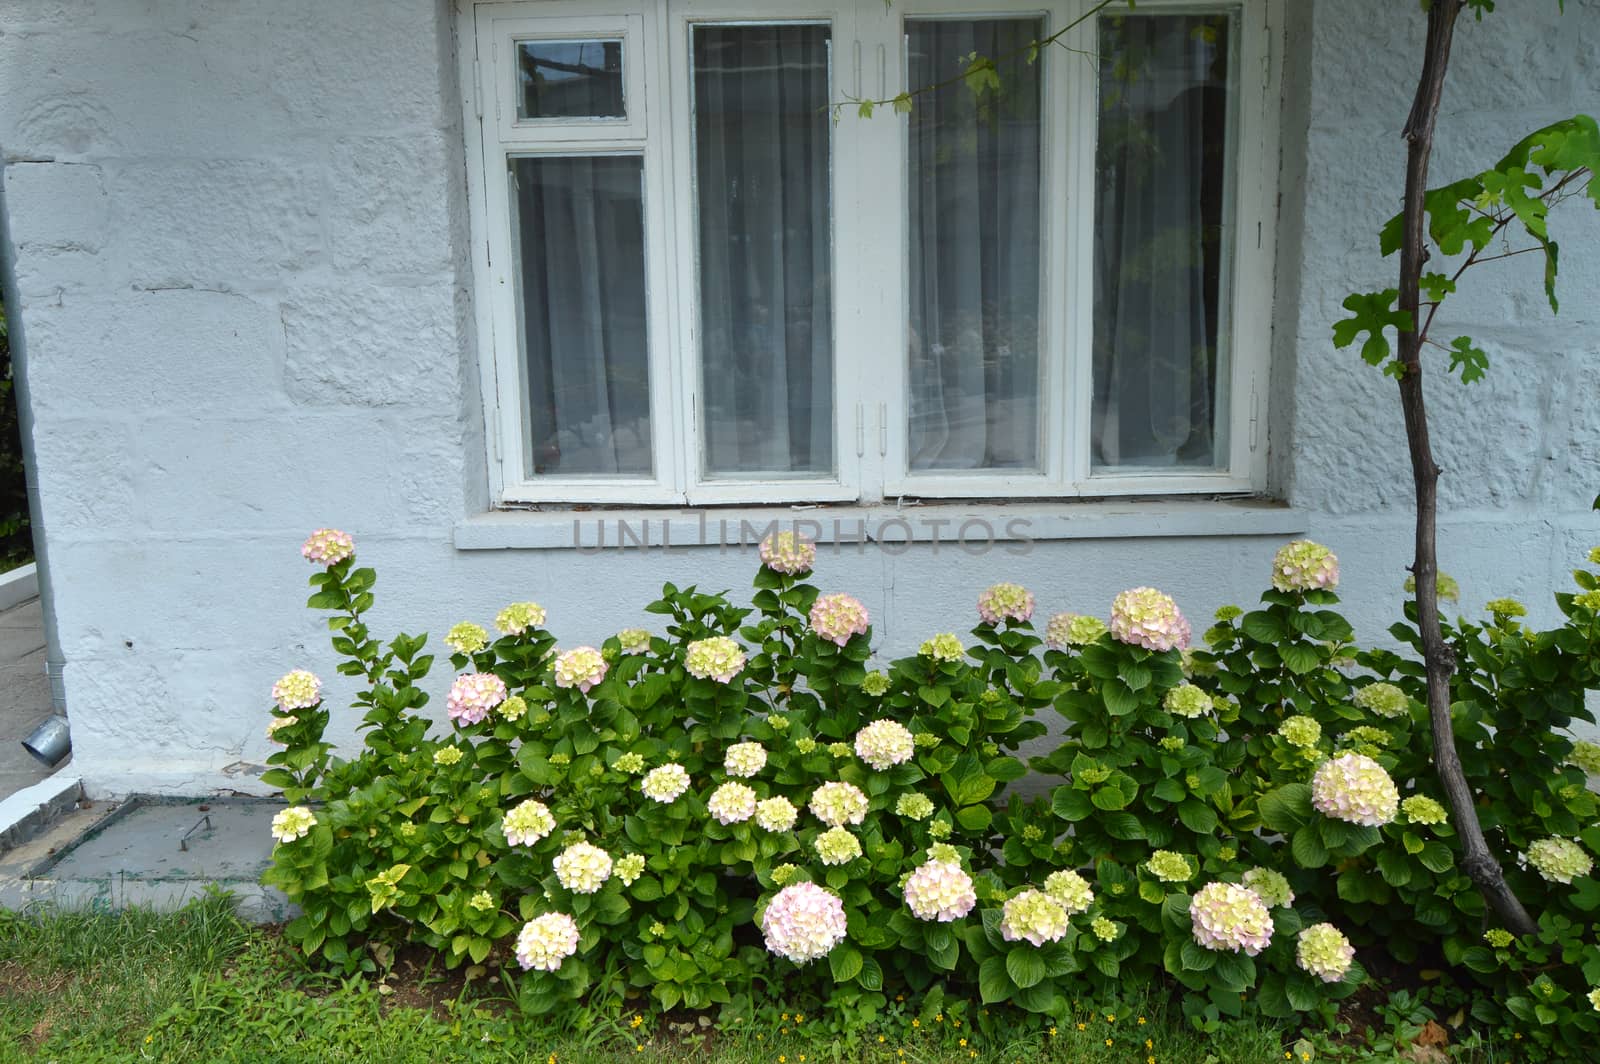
[(916, 1023), (963, 1041), (938, 1017), (638, 1049), (785, 1016), (782, 1059), (1081, 1026), (799, 1018), (1110, 1018), (1108, 1041), (1149, 1044), (881, 1039), (1141, 1021), (635, 1022), (802, 1057), (1053, 1030)]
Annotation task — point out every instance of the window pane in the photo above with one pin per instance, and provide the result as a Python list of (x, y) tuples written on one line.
[(975, 239), (570, 79), (761, 131), (579, 230), (1162, 241)]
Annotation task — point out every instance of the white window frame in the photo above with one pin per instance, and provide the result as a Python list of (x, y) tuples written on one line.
[(870, 247)]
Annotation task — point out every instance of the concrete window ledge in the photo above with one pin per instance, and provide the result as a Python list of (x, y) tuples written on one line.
[(953, 523), (19, 585)]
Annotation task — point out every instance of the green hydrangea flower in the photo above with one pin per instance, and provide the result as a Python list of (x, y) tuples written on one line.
[(1104, 929), (914, 807), (1172, 743), (1420, 809), (1187, 700), (939, 829), (876, 683), (1499, 937), (1505, 608), (1301, 731), (1586, 756), (466, 638), (1384, 699), (630, 764), (1170, 867), (943, 647)]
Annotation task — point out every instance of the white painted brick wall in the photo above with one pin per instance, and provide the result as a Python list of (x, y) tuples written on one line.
[(237, 231)]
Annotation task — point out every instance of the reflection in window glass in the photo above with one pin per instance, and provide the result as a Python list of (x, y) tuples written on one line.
[(761, 158), (579, 230), (1162, 241), (569, 79), (975, 230)]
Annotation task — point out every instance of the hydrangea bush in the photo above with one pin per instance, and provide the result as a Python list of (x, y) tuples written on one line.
[(736, 795)]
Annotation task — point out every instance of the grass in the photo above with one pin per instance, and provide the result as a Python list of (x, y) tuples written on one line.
[(199, 986)]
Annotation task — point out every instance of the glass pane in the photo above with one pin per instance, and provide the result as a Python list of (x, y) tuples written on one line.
[(570, 79), (578, 224), (761, 129), (975, 239), (1163, 235)]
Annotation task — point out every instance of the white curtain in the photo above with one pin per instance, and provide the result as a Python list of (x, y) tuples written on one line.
[(762, 130), (975, 238), (580, 238), (1158, 239)]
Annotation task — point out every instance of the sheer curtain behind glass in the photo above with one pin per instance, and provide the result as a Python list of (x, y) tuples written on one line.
[(761, 130), (975, 238), (579, 231), (1160, 241)]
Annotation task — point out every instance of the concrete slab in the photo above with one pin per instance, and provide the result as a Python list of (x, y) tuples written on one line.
[(24, 695), (154, 852), (18, 585)]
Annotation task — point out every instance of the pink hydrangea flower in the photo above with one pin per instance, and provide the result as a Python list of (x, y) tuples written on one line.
[(1229, 917), (940, 890), (327, 546), (884, 744), (297, 690), (1355, 788), (1005, 602), (1305, 566), (803, 922), (717, 658), (788, 553), (1147, 618), (581, 667), (838, 617), (473, 695)]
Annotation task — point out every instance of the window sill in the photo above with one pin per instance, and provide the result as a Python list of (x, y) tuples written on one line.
[(969, 525)]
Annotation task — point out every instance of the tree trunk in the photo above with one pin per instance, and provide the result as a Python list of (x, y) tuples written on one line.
[(1439, 659)]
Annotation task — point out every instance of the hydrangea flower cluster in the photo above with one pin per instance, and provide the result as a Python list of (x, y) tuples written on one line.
[(1444, 586), (1305, 566), (1499, 937), (1420, 809), (466, 638), (327, 546), (1033, 916), (803, 922), (776, 814), (1586, 756), (1355, 788), (634, 640), (745, 759), (629, 868), (1503, 609), (447, 755), (785, 874), (297, 690), (837, 617), (583, 868), (787, 553), (838, 803), (942, 647), (1594, 995), (1384, 699), (545, 941), (1072, 629), (875, 683), (527, 823), (1269, 886), (277, 723), (666, 783), (580, 667), (1145, 617), (732, 803), (1323, 951), (1303, 732), (1069, 890), (1005, 602), (1558, 860), (513, 708), (940, 890), (837, 846), (293, 823), (884, 744), (1187, 700), (519, 617), (473, 695), (482, 901), (1170, 867), (718, 658), (913, 806), (1230, 917), (1104, 929), (629, 764)]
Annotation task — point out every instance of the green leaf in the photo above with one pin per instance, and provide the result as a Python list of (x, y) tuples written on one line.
[(1119, 698), (1473, 362), (1436, 856), (845, 962), (1196, 958), (1070, 804), (1288, 808), (1306, 845), (1197, 817), (1371, 313), (974, 817), (1025, 966), (1299, 658), (994, 982)]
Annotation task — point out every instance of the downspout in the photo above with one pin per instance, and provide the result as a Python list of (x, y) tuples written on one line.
[(55, 664)]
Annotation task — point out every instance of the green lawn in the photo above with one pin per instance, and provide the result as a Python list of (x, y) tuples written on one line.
[(200, 986)]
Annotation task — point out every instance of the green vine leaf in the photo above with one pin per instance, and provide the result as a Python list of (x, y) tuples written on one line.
[(1371, 312), (1471, 361)]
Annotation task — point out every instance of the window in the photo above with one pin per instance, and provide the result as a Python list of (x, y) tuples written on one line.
[(701, 281)]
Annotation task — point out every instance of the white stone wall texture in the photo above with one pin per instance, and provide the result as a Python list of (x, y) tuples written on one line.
[(235, 239)]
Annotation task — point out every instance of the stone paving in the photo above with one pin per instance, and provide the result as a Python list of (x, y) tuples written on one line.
[(24, 694)]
